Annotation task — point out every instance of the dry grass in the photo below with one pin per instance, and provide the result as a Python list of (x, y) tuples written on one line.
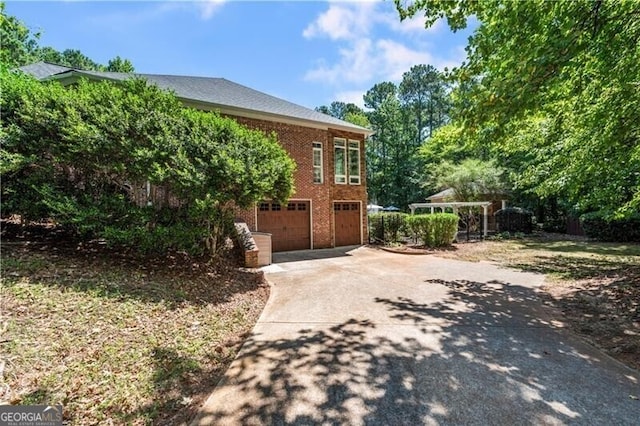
[(115, 340), (596, 285)]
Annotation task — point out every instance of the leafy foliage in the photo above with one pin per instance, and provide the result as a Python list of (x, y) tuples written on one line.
[(434, 230), (79, 155), (605, 227), (471, 180), (550, 90), (387, 227)]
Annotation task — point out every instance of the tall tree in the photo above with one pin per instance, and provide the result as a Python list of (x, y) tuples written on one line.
[(566, 70), (424, 93), (340, 109), (19, 44), (118, 64)]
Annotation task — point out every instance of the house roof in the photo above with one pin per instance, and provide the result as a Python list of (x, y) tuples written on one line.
[(447, 193), (42, 70), (208, 92)]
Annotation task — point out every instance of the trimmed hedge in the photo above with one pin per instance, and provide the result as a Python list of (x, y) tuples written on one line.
[(387, 227), (514, 219), (602, 226), (435, 230)]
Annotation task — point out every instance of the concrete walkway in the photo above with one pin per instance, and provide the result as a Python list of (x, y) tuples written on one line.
[(376, 338)]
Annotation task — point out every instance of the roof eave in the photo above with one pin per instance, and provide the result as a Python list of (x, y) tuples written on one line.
[(267, 116), (224, 109)]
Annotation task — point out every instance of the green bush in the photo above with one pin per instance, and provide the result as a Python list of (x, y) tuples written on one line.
[(387, 227), (434, 230), (605, 227), (75, 154)]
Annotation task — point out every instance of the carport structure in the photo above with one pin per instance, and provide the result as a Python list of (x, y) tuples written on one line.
[(455, 205)]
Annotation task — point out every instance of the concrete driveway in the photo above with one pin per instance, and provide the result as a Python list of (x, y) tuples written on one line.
[(370, 337)]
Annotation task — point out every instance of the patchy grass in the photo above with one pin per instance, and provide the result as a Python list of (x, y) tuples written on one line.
[(117, 340), (596, 285)]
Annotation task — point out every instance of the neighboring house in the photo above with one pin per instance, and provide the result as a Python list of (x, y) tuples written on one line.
[(328, 208)]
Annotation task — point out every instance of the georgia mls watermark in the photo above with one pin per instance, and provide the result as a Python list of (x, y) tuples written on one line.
[(30, 415)]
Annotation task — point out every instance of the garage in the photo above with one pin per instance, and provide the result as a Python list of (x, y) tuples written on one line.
[(289, 224), (347, 223)]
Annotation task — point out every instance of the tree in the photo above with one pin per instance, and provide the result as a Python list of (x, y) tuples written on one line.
[(340, 110), (424, 92), (118, 64), (76, 155), (19, 44), (471, 179), (567, 71), (382, 148)]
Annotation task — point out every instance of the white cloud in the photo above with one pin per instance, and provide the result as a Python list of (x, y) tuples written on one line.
[(343, 21), (209, 7), (397, 58), (356, 65), (351, 96), (364, 60), (373, 45)]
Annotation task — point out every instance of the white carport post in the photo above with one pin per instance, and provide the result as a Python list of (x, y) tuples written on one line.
[(485, 220)]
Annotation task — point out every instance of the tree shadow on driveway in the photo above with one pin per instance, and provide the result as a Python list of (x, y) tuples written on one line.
[(488, 353)]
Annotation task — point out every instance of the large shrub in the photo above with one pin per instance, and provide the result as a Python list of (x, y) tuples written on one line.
[(387, 227), (514, 219), (605, 227), (75, 154), (434, 230)]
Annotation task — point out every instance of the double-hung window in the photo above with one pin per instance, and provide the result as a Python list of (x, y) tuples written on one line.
[(347, 161), (318, 175), (340, 160)]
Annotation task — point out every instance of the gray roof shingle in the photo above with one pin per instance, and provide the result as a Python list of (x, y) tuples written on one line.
[(42, 70), (218, 92)]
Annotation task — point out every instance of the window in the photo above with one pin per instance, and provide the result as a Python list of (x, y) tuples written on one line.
[(264, 207), (302, 207), (318, 175), (347, 161), (354, 162), (275, 207), (291, 206), (340, 157)]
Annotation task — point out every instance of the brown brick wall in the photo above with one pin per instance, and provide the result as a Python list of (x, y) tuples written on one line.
[(298, 141)]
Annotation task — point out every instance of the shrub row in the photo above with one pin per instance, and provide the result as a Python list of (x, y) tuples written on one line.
[(604, 227)]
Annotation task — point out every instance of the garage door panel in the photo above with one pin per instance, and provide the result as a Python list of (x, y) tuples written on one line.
[(288, 224), (347, 223)]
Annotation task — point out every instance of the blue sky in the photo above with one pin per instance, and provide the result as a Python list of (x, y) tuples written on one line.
[(310, 53)]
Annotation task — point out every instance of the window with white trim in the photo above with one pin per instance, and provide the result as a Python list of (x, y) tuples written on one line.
[(354, 162), (318, 174), (340, 160)]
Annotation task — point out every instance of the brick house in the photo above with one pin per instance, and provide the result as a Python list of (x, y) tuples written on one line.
[(328, 208)]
